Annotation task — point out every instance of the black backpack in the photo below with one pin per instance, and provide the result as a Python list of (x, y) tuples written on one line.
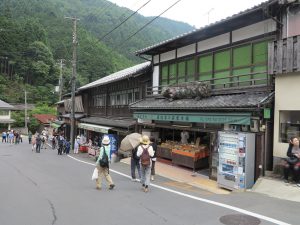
[(134, 155), (104, 160)]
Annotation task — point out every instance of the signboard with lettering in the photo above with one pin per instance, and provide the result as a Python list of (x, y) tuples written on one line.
[(216, 118)]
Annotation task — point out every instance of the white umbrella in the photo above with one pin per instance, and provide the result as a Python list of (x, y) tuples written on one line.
[(130, 142)]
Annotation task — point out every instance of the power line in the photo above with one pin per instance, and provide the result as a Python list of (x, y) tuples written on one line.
[(131, 36), (132, 14)]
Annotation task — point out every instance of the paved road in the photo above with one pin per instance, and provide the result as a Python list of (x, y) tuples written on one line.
[(42, 189)]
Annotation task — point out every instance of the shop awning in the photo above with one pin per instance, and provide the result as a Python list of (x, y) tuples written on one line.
[(114, 122), (54, 125), (96, 128), (188, 117)]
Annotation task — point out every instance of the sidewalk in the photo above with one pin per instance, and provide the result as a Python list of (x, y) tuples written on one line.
[(185, 176), (272, 187)]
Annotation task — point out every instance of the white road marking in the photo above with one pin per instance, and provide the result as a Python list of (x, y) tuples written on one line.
[(259, 216)]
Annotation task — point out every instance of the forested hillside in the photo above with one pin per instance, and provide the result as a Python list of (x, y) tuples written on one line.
[(34, 35)]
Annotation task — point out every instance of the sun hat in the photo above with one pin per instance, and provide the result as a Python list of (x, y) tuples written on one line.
[(105, 140), (145, 140)]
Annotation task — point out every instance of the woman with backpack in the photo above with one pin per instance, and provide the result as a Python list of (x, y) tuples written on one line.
[(145, 152), (103, 164)]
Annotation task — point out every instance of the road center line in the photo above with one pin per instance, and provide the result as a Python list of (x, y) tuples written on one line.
[(259, 216)]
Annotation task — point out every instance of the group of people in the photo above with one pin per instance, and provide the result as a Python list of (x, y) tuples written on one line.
[(143, 158), (292, 163), (12, 137), (38, 141)]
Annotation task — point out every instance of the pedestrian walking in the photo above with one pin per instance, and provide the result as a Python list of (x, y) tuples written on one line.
[(53, 141), (38, 142), (4, 137), (102, 164), (145, 152), (60, 144), (33, 142), (76, 145), (67, 147), (135, 164), (11, 137), (153, 158), (21, 138), (44, 145), (29, 137)]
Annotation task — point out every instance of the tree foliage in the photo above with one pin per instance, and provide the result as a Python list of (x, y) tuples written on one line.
[(34, 35)]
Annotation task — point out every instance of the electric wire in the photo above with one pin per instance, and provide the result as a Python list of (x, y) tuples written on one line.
[(131, 36), (132, 14)]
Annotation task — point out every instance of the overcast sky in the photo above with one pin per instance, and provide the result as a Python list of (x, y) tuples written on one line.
[(197, 13)]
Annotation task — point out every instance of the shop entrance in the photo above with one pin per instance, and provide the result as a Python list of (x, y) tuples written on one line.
[(185, 147)]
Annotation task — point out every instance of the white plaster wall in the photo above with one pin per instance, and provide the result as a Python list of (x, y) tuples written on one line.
[(167, 56), (217, 41), (287, 93), (156, 59), (186, 50), (253, 30), (155, 80)]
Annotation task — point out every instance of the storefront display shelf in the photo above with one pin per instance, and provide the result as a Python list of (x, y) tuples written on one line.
[(190, 162), (163, 152)]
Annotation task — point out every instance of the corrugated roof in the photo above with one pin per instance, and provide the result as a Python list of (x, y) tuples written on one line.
[(128, 72), (234, 16), (4, 105), (247, 100), (44, 118)]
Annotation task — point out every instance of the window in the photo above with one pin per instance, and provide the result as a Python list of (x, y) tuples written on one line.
[(289, 125), (222, 60), (205, 67), (191, 70), (181, 72), (4, 112)]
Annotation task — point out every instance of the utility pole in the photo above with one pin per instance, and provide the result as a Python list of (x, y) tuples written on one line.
[(60, 83), (73, 80), (208, 12), (26, 128)]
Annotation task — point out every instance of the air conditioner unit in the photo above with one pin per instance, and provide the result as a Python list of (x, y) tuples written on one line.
[(245, 128), (254, 125)]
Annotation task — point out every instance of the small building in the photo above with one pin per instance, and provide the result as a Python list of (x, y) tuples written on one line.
[(231, 58), (44, 120), (5, 115), (106, 103), (284, 64)]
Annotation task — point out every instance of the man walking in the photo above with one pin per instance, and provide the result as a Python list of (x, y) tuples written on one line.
[(38, 142)]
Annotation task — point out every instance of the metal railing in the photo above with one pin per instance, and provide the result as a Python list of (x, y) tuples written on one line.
[(232, 82)]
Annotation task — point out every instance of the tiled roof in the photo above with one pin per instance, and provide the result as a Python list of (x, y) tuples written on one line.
[(114, 122), (236, 101), (256, 7), (44, 118), (4, 105), (120, 75)]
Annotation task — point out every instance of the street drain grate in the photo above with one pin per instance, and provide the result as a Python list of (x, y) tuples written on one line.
[(239, 219)]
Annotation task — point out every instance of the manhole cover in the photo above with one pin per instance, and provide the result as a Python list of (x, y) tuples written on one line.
[(239, 219)]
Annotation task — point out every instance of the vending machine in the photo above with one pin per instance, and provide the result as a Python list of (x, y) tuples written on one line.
[(236, 160)]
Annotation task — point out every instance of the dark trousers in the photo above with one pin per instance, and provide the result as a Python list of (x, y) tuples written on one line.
[(60, 149), (135, 163), (38, 148), (153, 168), (294, 169)]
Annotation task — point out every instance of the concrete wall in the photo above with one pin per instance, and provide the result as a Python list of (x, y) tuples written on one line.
[(287, 90)]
